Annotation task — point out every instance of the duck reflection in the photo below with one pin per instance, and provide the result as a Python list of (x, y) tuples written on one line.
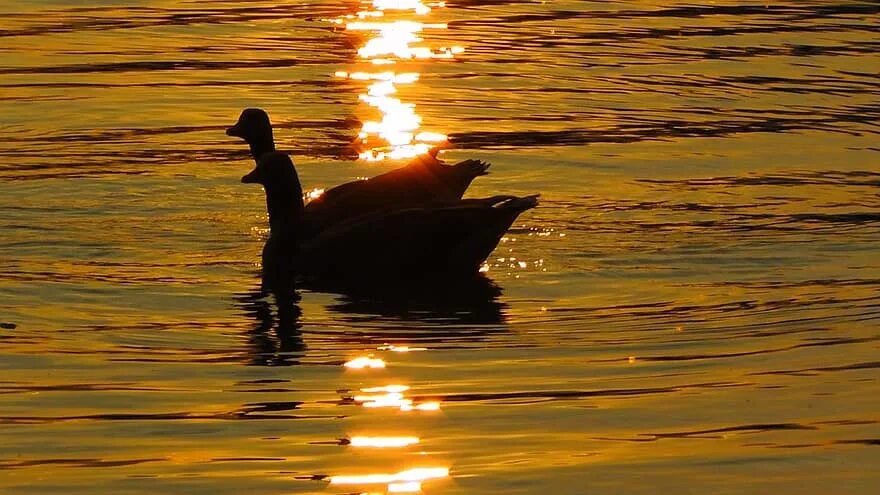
[(459, 309), (275, 338), (472, 300)]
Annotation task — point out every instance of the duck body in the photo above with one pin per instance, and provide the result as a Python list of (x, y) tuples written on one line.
[(421, 182), (442, 239), (452, 239)]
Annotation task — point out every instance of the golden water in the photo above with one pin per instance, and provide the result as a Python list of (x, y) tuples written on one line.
[(692, 308)]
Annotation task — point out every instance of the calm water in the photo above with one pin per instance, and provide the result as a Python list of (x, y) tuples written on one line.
[(693, 308)]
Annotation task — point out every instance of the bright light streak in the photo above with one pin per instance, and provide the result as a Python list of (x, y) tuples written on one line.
[(389, 39), (425, 406), (365, 362), (414, 5), (392, 396), (391, 399), (383, 442), (400, 348), (431, 137), (410, 475), (391, 389), (381, 89), (314, 194), (406, 487)]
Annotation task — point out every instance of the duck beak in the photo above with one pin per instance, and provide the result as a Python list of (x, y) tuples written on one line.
[(251, 178), (235, 131)]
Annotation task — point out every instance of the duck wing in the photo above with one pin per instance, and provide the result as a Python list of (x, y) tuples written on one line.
[(411, 243), (424, 181)]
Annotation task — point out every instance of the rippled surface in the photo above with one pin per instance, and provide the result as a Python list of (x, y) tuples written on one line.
[(693, 307)]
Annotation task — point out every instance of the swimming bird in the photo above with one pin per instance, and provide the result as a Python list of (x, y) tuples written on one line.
[(423, 181), (451, 239)]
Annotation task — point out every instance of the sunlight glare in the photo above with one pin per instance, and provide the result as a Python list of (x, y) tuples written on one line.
[(383, 442), (410, 475), (389, 389), (365, 362), (425, 406), (392, 396), (394, 136), (314, 194), (400, 348), (405, 487)]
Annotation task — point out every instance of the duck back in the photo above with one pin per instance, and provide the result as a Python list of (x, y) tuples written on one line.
[(424, 182), (450, 240)]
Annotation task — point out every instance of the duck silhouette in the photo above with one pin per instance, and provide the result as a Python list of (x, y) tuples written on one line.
[(446, 239), (424, 181)]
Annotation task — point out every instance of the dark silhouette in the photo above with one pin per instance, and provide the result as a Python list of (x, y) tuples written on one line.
[(422, 243), (275, 339), (423, 181), (469, 310), (456, 301), (402, 245)]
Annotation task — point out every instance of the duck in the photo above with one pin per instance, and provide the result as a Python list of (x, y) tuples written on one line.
[(424, 181), (423, 242)]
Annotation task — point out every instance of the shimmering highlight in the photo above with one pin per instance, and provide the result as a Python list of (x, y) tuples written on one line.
[(409, 475), (383, 442), (395, 136), (392, 396), (365, 362)]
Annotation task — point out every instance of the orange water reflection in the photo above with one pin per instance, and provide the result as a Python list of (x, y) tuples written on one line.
[(405, 487), (365, 362), (400, 348), (383, 442), (393, 396), (381, 398), (409, 480), (391, 30)]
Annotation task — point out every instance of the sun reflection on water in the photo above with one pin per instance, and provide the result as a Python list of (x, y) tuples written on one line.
[(405, 487), (415, 475), (383, 442), (313, 194), (391, 32), (400, 348), (391, 396), (365, 362)]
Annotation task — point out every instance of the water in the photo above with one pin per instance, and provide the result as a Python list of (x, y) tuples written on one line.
[(693, 307)]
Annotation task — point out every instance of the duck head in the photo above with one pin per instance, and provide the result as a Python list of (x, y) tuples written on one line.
[(284, 197), (255, 128)]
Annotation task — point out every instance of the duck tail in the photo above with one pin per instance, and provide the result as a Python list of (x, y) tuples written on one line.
[(472, 168), (459, 176), (502, 212)]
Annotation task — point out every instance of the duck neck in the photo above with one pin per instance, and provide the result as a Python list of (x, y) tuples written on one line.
[(285, 206), (261, 144)]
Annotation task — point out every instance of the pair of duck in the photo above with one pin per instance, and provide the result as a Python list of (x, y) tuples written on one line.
[(404, 224)]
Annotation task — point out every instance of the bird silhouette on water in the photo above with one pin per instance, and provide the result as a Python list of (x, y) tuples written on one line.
[(407, 224), (423, 181)]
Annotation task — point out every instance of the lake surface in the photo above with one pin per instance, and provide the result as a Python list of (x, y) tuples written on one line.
[(693, 307)]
